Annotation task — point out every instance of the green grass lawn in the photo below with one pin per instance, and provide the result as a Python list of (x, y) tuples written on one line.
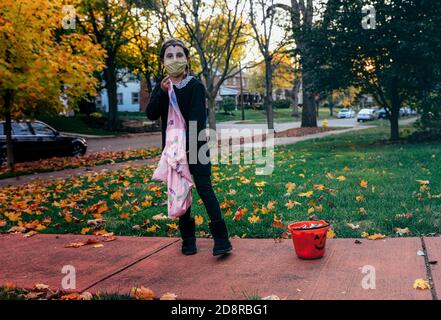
[(332, 171), (258, 116)]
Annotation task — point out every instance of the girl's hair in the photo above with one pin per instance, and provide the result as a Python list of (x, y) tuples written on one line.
[(173, 42)]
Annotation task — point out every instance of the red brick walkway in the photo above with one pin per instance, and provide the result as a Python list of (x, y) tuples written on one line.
[(256, 266)]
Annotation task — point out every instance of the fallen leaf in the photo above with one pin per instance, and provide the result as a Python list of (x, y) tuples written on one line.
[(353, 226), (71, 296), (143, 293), (402, 232), (376, 236), (330, 234), (41, 286), (198, 219), (421, 284), (168, 296), (254, 219)]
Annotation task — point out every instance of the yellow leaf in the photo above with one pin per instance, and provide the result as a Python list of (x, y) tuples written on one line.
[(254, 219), (172, 226), (260, 184), (359, 198), (311, 210), (85, 230), (291, 204), (271, 205), (362, 211), (290, 187), (116, 195), (353, 226), (198, 220), (421, 284), (330, 234), (341, 178), (376, 236), (306, 194), (152, 228)]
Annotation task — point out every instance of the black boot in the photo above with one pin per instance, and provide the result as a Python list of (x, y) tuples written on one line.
[(187, 229), (220, 235)]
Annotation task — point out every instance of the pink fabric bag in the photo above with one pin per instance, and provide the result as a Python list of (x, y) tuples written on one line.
[(173, 166)]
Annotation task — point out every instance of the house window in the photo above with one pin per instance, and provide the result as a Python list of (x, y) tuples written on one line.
[(135, 97), (120, 98)]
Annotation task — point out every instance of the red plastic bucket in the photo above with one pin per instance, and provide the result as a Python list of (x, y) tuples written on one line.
[(309, 238)]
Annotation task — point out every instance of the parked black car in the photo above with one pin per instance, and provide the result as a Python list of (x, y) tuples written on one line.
[(33, 140), (382, 114)]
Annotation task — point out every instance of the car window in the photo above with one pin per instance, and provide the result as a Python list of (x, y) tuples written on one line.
[(41, 129), (21, 129)]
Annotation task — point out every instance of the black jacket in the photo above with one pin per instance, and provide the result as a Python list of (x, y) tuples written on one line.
[(191, 101)]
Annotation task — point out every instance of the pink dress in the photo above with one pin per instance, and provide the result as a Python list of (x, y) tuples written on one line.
[(173, 166)]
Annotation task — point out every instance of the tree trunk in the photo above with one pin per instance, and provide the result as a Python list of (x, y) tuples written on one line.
[(212, 112), (269, 94), (394, 115), (309, 113), (8, 129), (295, 98), (111, 86)]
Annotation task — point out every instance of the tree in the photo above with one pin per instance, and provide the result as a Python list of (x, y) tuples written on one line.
[(40, 63), (146, 36), (109, 23), (282, 76), (263, 39), (217, 34), (301, 24), (394, 57)]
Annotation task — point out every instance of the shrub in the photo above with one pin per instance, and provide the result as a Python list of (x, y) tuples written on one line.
[(282, 104), (228, 104)]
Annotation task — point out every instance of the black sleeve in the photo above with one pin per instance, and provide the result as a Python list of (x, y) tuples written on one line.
[(198, 110), (158, 100)]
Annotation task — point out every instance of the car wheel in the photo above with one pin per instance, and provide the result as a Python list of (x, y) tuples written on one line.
[(78, 149)]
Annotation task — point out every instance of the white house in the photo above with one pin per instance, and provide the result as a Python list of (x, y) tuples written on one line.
[(128, 94)]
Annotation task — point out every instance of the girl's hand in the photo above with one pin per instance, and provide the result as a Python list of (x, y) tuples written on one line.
[(165, 83)]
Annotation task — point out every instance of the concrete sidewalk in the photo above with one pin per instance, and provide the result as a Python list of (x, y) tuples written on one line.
[(256, 266)]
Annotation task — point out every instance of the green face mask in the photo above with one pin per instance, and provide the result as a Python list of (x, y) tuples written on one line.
[(175, 68)]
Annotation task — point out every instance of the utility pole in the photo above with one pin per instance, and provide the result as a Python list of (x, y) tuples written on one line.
[(241, 93)]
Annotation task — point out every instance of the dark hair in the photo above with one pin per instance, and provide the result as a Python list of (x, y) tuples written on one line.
[(173, 42)]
